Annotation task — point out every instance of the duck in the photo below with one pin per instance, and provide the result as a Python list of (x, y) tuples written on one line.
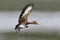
[(23, 17)]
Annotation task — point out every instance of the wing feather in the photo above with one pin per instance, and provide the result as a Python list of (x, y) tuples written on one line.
[(26, 10)]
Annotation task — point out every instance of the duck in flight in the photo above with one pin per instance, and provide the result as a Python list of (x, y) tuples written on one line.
[(22, 21)]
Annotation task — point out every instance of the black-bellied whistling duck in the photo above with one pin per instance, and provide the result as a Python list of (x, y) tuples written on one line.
[(22, 22)]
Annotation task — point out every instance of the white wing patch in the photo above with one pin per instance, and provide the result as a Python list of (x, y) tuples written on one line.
[(22, 25), (27, 10)]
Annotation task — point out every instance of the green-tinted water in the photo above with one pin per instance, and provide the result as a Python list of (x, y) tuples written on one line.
[(29, 36)]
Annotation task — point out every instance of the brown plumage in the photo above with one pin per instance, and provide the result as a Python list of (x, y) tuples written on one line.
[(22, 22)]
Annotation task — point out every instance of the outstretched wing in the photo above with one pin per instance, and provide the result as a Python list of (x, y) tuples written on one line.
[(26, 11)]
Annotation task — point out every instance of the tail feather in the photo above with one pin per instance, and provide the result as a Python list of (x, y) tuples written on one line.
[(16, 26)]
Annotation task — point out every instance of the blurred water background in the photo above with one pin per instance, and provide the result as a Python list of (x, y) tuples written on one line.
[(45, 12), (48, 21)]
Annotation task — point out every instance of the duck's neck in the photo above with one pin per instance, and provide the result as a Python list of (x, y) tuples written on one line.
[(33, 22)]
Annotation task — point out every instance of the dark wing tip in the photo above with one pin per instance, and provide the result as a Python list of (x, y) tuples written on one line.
[(30, 4)]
